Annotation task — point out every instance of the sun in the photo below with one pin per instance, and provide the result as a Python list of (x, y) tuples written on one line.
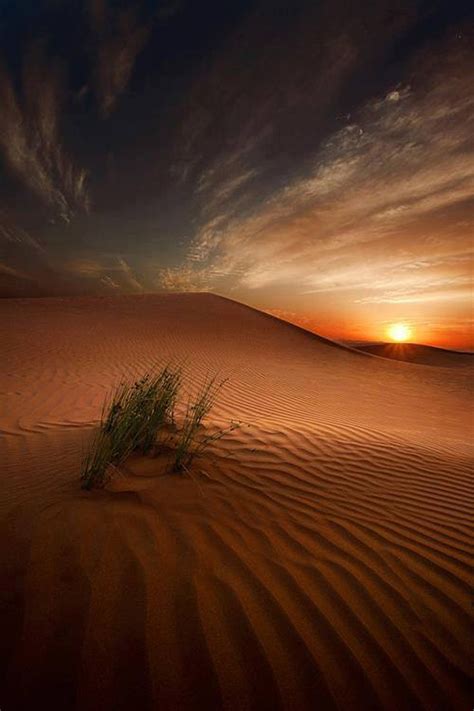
[(399, 332)]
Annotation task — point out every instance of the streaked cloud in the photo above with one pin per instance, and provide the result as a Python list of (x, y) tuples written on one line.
[(109, 282), (14, 234), (389, 188), (113, 272), (12, 272), (119, 36), (128, 276), (30, 136)]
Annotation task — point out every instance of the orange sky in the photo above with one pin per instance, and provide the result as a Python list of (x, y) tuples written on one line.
[(377, 230), (458, 336)]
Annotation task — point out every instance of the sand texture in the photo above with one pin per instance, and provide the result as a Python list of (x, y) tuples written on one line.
[(319, 557)]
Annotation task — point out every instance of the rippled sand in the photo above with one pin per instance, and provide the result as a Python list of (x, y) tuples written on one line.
[(319, 557)]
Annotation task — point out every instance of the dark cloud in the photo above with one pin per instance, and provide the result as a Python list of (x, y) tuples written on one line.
[(118, 37), (30, 135), (389, 186)]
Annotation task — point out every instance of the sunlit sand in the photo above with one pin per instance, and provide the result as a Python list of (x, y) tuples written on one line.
[(318, 556)]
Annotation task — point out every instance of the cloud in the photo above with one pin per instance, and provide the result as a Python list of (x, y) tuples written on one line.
[(30, 135), (14, 234), (85, 267), (254, 107), (113, 272), (119, 38), (108, 281), (126, 273), (10, 271), (185, 278), (391, 186)]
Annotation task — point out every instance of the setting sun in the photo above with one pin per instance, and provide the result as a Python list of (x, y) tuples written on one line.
[(399, 332)]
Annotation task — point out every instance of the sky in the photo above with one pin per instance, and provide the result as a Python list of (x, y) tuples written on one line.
[(314, 159)]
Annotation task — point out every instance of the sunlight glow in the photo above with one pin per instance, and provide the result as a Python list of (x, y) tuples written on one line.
[(399, 332)]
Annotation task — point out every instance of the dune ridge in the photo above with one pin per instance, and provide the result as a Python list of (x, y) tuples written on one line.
[(320, 557), (419, 353)]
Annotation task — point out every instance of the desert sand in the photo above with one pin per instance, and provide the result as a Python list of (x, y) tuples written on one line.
[(319, 557), (416, 353)]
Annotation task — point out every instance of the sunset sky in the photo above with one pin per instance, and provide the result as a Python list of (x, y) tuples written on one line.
[(314, 159)]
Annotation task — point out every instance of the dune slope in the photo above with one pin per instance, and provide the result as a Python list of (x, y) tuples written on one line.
[(319, 557), (417, 353)]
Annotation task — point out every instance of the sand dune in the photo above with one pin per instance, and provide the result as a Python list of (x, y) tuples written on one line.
[(319, 557), (417, 353)]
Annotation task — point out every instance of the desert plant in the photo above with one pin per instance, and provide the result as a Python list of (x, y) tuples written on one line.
[(204, 443), (158, 406), (187, 447), (96, 461), (132, 418), (130, 421)]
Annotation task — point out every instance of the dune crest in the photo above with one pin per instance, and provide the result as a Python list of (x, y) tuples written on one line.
[(424, 355), (319, 557)]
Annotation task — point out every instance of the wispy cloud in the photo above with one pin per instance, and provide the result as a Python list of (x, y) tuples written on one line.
[(12, 272), (391, 186), (13, 234), (240, 127), (113, 272), (30, 137), (119, 36), (128, 276), (185, 278), (109, 282)]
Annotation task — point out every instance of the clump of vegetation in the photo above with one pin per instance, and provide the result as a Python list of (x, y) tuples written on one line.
[(130, 421), (133, 418), (186, 446), (97, 461)]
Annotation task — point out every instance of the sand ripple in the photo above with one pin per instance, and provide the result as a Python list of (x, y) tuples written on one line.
[(320, 557)]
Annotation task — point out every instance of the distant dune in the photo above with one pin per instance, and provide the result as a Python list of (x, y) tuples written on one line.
[(417, 353), (320, 556)]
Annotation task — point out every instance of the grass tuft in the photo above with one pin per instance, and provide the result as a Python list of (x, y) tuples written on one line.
[(96, 461), (132, 419), (186, 445)]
